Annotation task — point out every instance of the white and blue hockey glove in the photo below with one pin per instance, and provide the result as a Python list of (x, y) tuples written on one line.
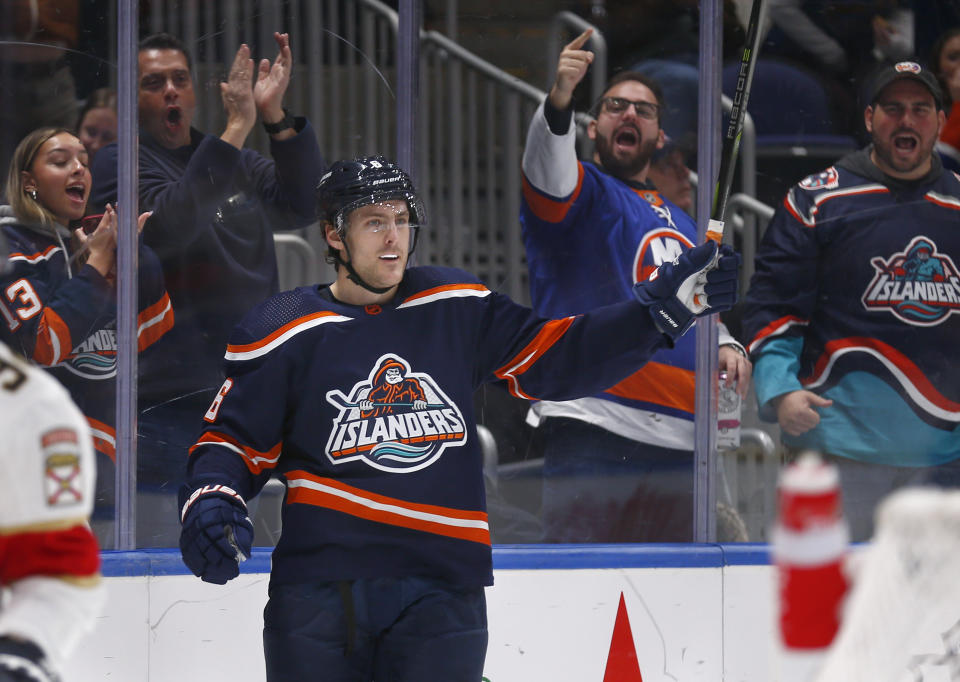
[(217, 534), (691, 286), (23, 661)]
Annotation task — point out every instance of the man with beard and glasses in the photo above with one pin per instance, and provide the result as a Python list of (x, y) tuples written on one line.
[(618, 466), (850, 310)]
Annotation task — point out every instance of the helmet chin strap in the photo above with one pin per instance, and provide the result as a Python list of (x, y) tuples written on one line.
[(356, 278)]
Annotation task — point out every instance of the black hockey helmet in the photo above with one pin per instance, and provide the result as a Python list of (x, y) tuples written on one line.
[(354, 183)]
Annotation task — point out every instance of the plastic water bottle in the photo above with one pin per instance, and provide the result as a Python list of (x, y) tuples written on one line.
[(810, 542), (728, 415)]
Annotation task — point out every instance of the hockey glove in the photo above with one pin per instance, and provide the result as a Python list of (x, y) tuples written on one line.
[(693, 285), (217, 534), (23, 661)]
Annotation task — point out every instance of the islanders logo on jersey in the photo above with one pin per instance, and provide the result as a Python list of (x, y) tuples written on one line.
[(394, 420), (920, 285), (96, 356), (828, 179)]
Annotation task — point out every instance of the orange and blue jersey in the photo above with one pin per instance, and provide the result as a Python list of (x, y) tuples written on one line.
[(387, 482), (856, 297), (589, 237), (63, 317)]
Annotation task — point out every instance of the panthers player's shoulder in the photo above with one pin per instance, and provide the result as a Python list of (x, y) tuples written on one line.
[(31, 393)]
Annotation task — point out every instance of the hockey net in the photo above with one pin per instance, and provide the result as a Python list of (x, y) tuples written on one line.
[(901, 621)]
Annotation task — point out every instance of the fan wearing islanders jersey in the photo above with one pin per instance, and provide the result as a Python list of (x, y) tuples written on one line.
[(618, 465), (50, 587), (851, 310), (359, 396)]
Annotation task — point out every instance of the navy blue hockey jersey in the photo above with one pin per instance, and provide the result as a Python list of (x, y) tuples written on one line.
[(854, 297), (367, 413)]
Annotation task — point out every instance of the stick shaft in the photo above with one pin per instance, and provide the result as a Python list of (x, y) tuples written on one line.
[(731, 139)]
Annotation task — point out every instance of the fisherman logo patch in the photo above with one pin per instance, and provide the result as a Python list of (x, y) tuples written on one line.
[(63, 478), (828, 179), (919, 285), (395, 420)]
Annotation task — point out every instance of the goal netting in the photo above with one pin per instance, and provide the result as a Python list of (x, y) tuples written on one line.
[(901, 621)]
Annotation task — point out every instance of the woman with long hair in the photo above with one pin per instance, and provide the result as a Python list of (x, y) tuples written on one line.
[(58, 295)]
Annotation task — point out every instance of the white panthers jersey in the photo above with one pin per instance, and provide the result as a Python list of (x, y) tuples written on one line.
[(46, 452)]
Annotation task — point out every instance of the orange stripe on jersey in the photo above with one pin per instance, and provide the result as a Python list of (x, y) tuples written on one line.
[(775, 328), (660, 384), (913, 374), (444, 289), (34, 257), (306, 488), (104, 438), (247, 347), (256, 461), (53, 339), (547, 209), (549, 334), (69, 552), (154, 322), (942, 200)]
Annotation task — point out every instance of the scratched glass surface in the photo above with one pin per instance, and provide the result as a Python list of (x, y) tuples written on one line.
[(483, 71)]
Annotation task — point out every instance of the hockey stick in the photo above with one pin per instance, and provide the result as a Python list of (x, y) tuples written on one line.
[(731, 140), (343, 404)]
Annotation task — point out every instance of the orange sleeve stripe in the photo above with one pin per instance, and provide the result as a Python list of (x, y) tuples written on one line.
[(154, 322), (549, 334), (53, 339), (547, 209), (246, 347), (104, 438), (256, 461), (661, 384)]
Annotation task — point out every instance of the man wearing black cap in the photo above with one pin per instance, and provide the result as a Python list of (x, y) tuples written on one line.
[(854, 346)]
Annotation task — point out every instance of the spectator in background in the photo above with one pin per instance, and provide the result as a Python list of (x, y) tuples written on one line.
[(840, 41), (36, 84), (852, 308), (660, 38), (59, 291), (945, 62), (215, 207), (97, 123), (670, 174), (618, 466)]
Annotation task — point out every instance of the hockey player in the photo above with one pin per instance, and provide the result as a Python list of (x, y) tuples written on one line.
[(852, 310), (385, 551), (618, 464), (49, 560)]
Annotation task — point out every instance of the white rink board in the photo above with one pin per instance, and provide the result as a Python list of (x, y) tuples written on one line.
[(688, 622)]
